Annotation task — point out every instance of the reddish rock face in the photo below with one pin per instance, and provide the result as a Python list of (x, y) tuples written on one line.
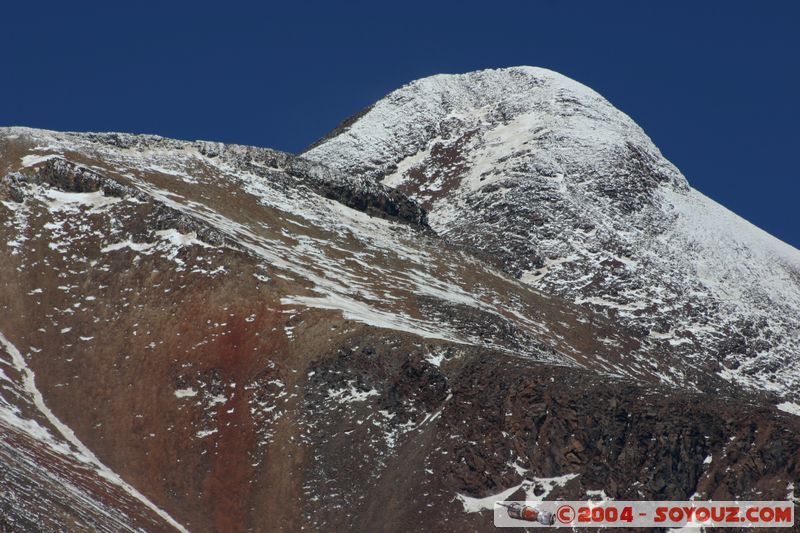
[(210, 338)]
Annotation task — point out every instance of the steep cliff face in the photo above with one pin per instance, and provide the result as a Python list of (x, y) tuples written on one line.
[(567, 194), (490, 284)]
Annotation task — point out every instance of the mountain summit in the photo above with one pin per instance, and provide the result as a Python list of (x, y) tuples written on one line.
[(485, 286), (569, 195)]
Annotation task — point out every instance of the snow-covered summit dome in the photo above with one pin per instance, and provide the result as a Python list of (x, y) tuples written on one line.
[(566, 127)]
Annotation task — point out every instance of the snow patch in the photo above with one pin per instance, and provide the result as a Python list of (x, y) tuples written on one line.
[(31, 160), (543, 485), (789, 407), (185, 393)]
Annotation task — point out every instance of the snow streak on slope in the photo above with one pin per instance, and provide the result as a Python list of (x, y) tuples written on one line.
[(568, 194), (83, 453)]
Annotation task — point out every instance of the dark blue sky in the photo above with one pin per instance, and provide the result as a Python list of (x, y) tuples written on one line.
[(714, 83)]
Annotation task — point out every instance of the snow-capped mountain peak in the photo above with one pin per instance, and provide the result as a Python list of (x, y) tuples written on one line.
[(585, 206)]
